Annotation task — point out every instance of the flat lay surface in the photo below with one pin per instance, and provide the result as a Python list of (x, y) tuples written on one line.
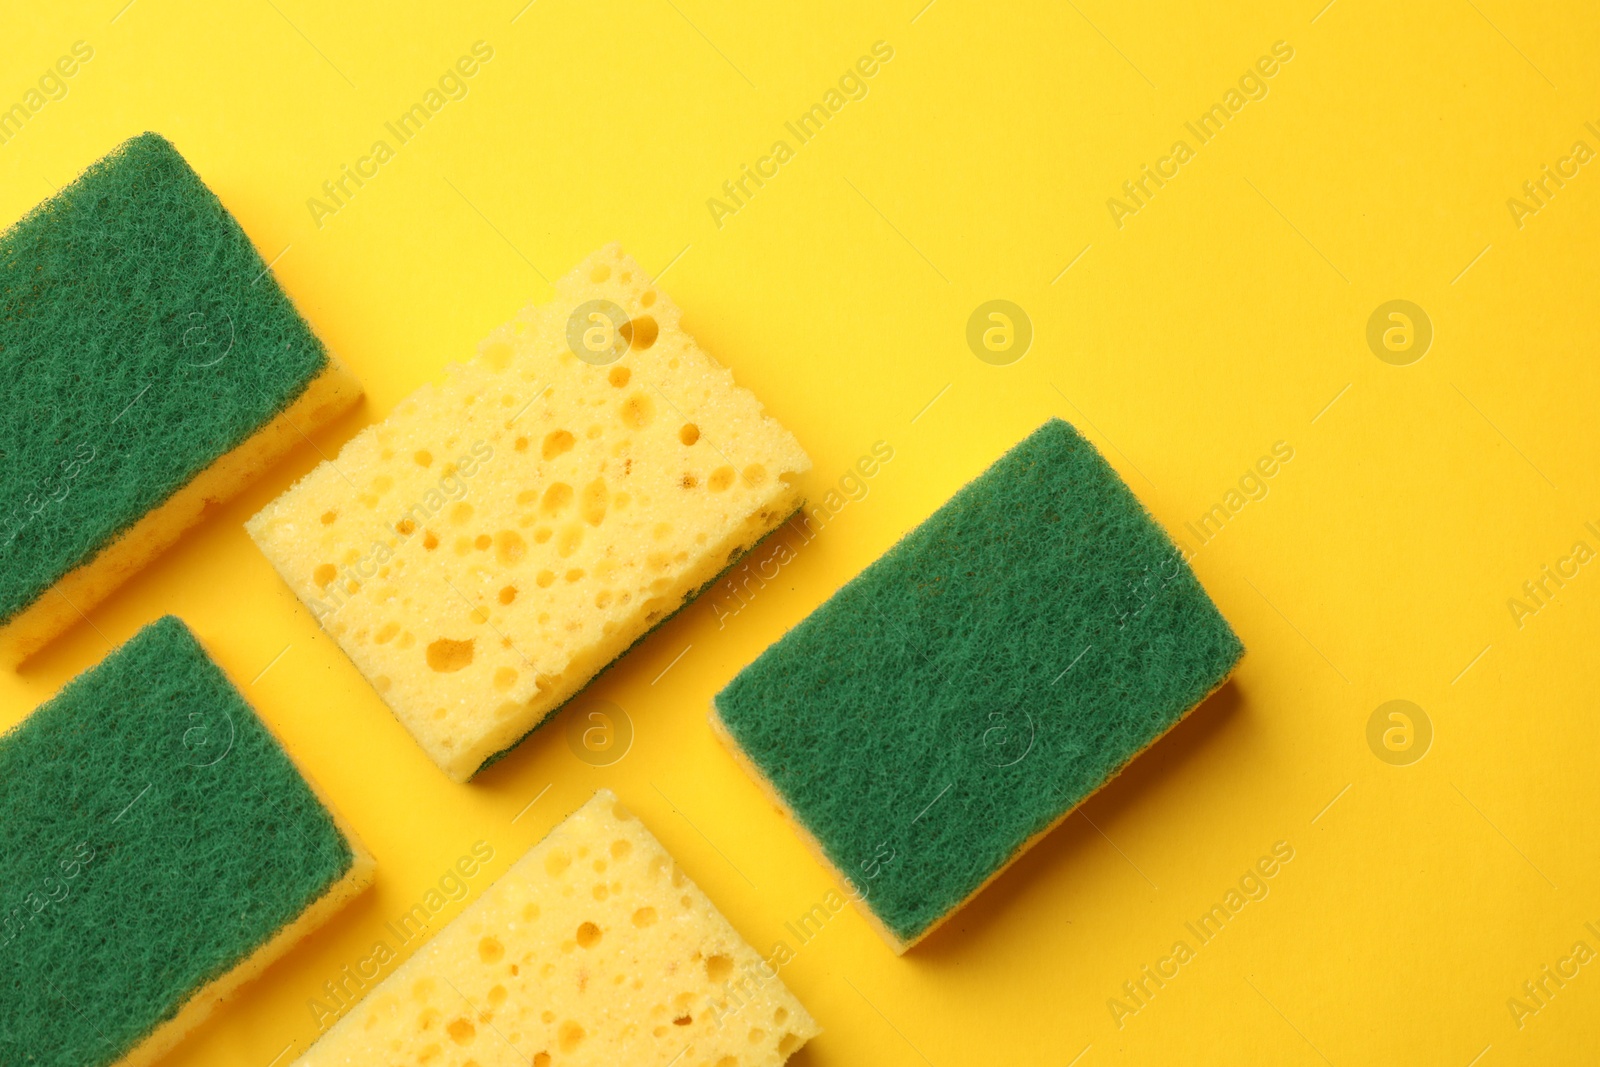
[(1315, 280)]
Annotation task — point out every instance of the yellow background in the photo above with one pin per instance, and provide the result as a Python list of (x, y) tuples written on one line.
[(1222, 318)]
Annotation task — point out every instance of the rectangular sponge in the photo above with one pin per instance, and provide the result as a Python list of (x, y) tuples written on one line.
[(151, 366), (505, 534), (594, 949), (974, 685), (158, 849)]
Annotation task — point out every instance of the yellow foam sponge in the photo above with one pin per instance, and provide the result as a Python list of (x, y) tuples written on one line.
[(506, 533), (593, 949)]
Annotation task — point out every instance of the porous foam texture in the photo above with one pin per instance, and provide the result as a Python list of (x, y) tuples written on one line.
[(157, 849), (505, 534), (151, 365), (980, 680), (593, 950)]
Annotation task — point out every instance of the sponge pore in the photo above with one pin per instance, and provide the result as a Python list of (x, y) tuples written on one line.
[(975, 684), (142, 338), (155, 838)]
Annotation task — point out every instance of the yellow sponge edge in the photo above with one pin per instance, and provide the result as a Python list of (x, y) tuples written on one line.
[(327, 396), (506, 533), (593, 949), (898, 945), (200, 1007)]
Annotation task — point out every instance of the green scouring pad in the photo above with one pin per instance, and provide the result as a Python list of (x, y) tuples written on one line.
[(157, 849), (150, 365), (969, 689)]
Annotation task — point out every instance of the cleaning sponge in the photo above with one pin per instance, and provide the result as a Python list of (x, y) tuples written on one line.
[(970, 688), (151, 366), (158, 849), (505, 534), (593, 950)]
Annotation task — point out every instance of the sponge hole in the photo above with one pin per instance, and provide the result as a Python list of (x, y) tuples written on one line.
[(448, 656), (641, 332), (558, 442), (556, 498), (637, 411), (509, 547), (596, 497)]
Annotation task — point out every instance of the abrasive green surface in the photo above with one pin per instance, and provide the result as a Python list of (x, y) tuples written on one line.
[(141, 338), (981, 678), (154, 834)]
